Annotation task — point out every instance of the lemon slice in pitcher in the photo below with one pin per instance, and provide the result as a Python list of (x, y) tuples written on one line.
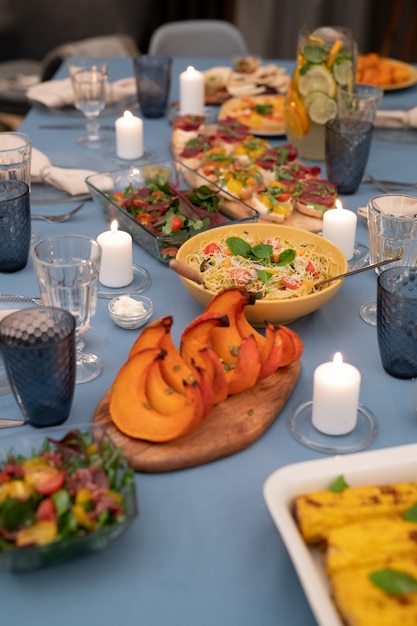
[(317, 78), (320, 107)]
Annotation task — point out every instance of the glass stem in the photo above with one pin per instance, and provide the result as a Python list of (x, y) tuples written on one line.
[(79, 346), (93, 126)]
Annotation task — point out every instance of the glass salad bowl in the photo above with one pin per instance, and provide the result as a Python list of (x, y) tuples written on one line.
[(56, 516)]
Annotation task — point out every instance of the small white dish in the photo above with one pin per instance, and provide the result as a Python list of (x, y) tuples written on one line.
[(123, 310)]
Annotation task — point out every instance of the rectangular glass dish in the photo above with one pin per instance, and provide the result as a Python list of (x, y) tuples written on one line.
[(163, 247)]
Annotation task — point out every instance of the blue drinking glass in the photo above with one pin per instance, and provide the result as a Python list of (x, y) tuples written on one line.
[(397, 321), (38, 348), (15, 225)]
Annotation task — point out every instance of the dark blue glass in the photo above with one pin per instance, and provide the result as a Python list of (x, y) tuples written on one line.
[(15, 225), (397, 321), (38, 348), (153, 82), (347, 145)]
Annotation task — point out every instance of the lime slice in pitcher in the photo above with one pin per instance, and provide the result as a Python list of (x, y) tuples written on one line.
[(314, 54), (320, 107), (343, 71), (318, 78)]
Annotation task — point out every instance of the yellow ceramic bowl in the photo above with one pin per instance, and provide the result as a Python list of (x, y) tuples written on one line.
[(275, 312)]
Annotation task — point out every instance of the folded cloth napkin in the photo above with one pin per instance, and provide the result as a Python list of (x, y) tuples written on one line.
[(59, 93), (70, 180), (396, 119)]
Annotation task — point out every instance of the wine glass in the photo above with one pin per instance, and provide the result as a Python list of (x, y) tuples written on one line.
[(67, 268), (89, 86), (392, 233)]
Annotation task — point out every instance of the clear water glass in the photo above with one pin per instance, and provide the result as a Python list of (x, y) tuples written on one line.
[(392, 232), (89, 87), (15, 156), (67, 268)]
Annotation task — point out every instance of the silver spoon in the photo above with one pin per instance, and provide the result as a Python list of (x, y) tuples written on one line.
[(57, 219)]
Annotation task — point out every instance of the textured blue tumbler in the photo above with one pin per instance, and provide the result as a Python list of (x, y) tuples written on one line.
[(15, 225), (38, 348), (397, 321), (347, 146)]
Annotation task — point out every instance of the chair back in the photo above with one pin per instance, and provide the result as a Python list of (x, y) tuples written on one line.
[(198, 38)]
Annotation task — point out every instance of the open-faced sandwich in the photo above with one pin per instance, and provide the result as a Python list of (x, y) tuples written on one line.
[(262, 114), (269, 178), (315, 196)]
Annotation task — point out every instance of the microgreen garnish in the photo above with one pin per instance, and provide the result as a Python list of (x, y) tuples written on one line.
[(338, 485)]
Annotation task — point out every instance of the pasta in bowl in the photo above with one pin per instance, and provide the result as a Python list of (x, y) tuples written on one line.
[(280, 264)]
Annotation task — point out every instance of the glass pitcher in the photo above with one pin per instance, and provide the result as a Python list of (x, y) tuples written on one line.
[(326, 58)]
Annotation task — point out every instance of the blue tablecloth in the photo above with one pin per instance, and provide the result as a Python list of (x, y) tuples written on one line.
[(204, 550)]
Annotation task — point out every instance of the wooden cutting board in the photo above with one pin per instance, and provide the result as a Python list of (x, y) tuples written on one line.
[(232, 426)]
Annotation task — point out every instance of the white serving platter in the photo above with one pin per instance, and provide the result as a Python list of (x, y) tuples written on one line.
[(379, 467)]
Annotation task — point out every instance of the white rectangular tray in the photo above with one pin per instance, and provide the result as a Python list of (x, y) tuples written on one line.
[(379, 467)]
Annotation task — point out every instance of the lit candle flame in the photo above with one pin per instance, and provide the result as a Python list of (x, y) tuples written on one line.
[(338, 358), (128, 115), (190, 69), (114, 226), (339, 205)]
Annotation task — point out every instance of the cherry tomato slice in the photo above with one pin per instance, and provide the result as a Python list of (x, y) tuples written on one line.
[(176, 223), (145, 218), (48, 481), (170, 251), (46, 511), (211, 248), (311, 269), (241, 277), (291, 283)]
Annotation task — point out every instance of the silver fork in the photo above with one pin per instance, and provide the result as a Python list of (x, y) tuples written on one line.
[(57, 219)]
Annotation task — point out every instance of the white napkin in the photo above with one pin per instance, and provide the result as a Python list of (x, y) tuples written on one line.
[(396, 119), (70, 180), (59, 93)]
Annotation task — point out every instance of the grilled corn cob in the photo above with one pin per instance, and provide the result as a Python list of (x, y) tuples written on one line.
[(320, 511), (361, 603), (370, 542)]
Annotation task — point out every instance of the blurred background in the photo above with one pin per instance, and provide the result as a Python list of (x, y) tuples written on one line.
[(36, 35), (31, 28)]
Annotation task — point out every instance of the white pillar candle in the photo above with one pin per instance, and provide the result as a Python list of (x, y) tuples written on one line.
[(129, 136), (116, 267), (335, 397), (191, 92), (339, 227)]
